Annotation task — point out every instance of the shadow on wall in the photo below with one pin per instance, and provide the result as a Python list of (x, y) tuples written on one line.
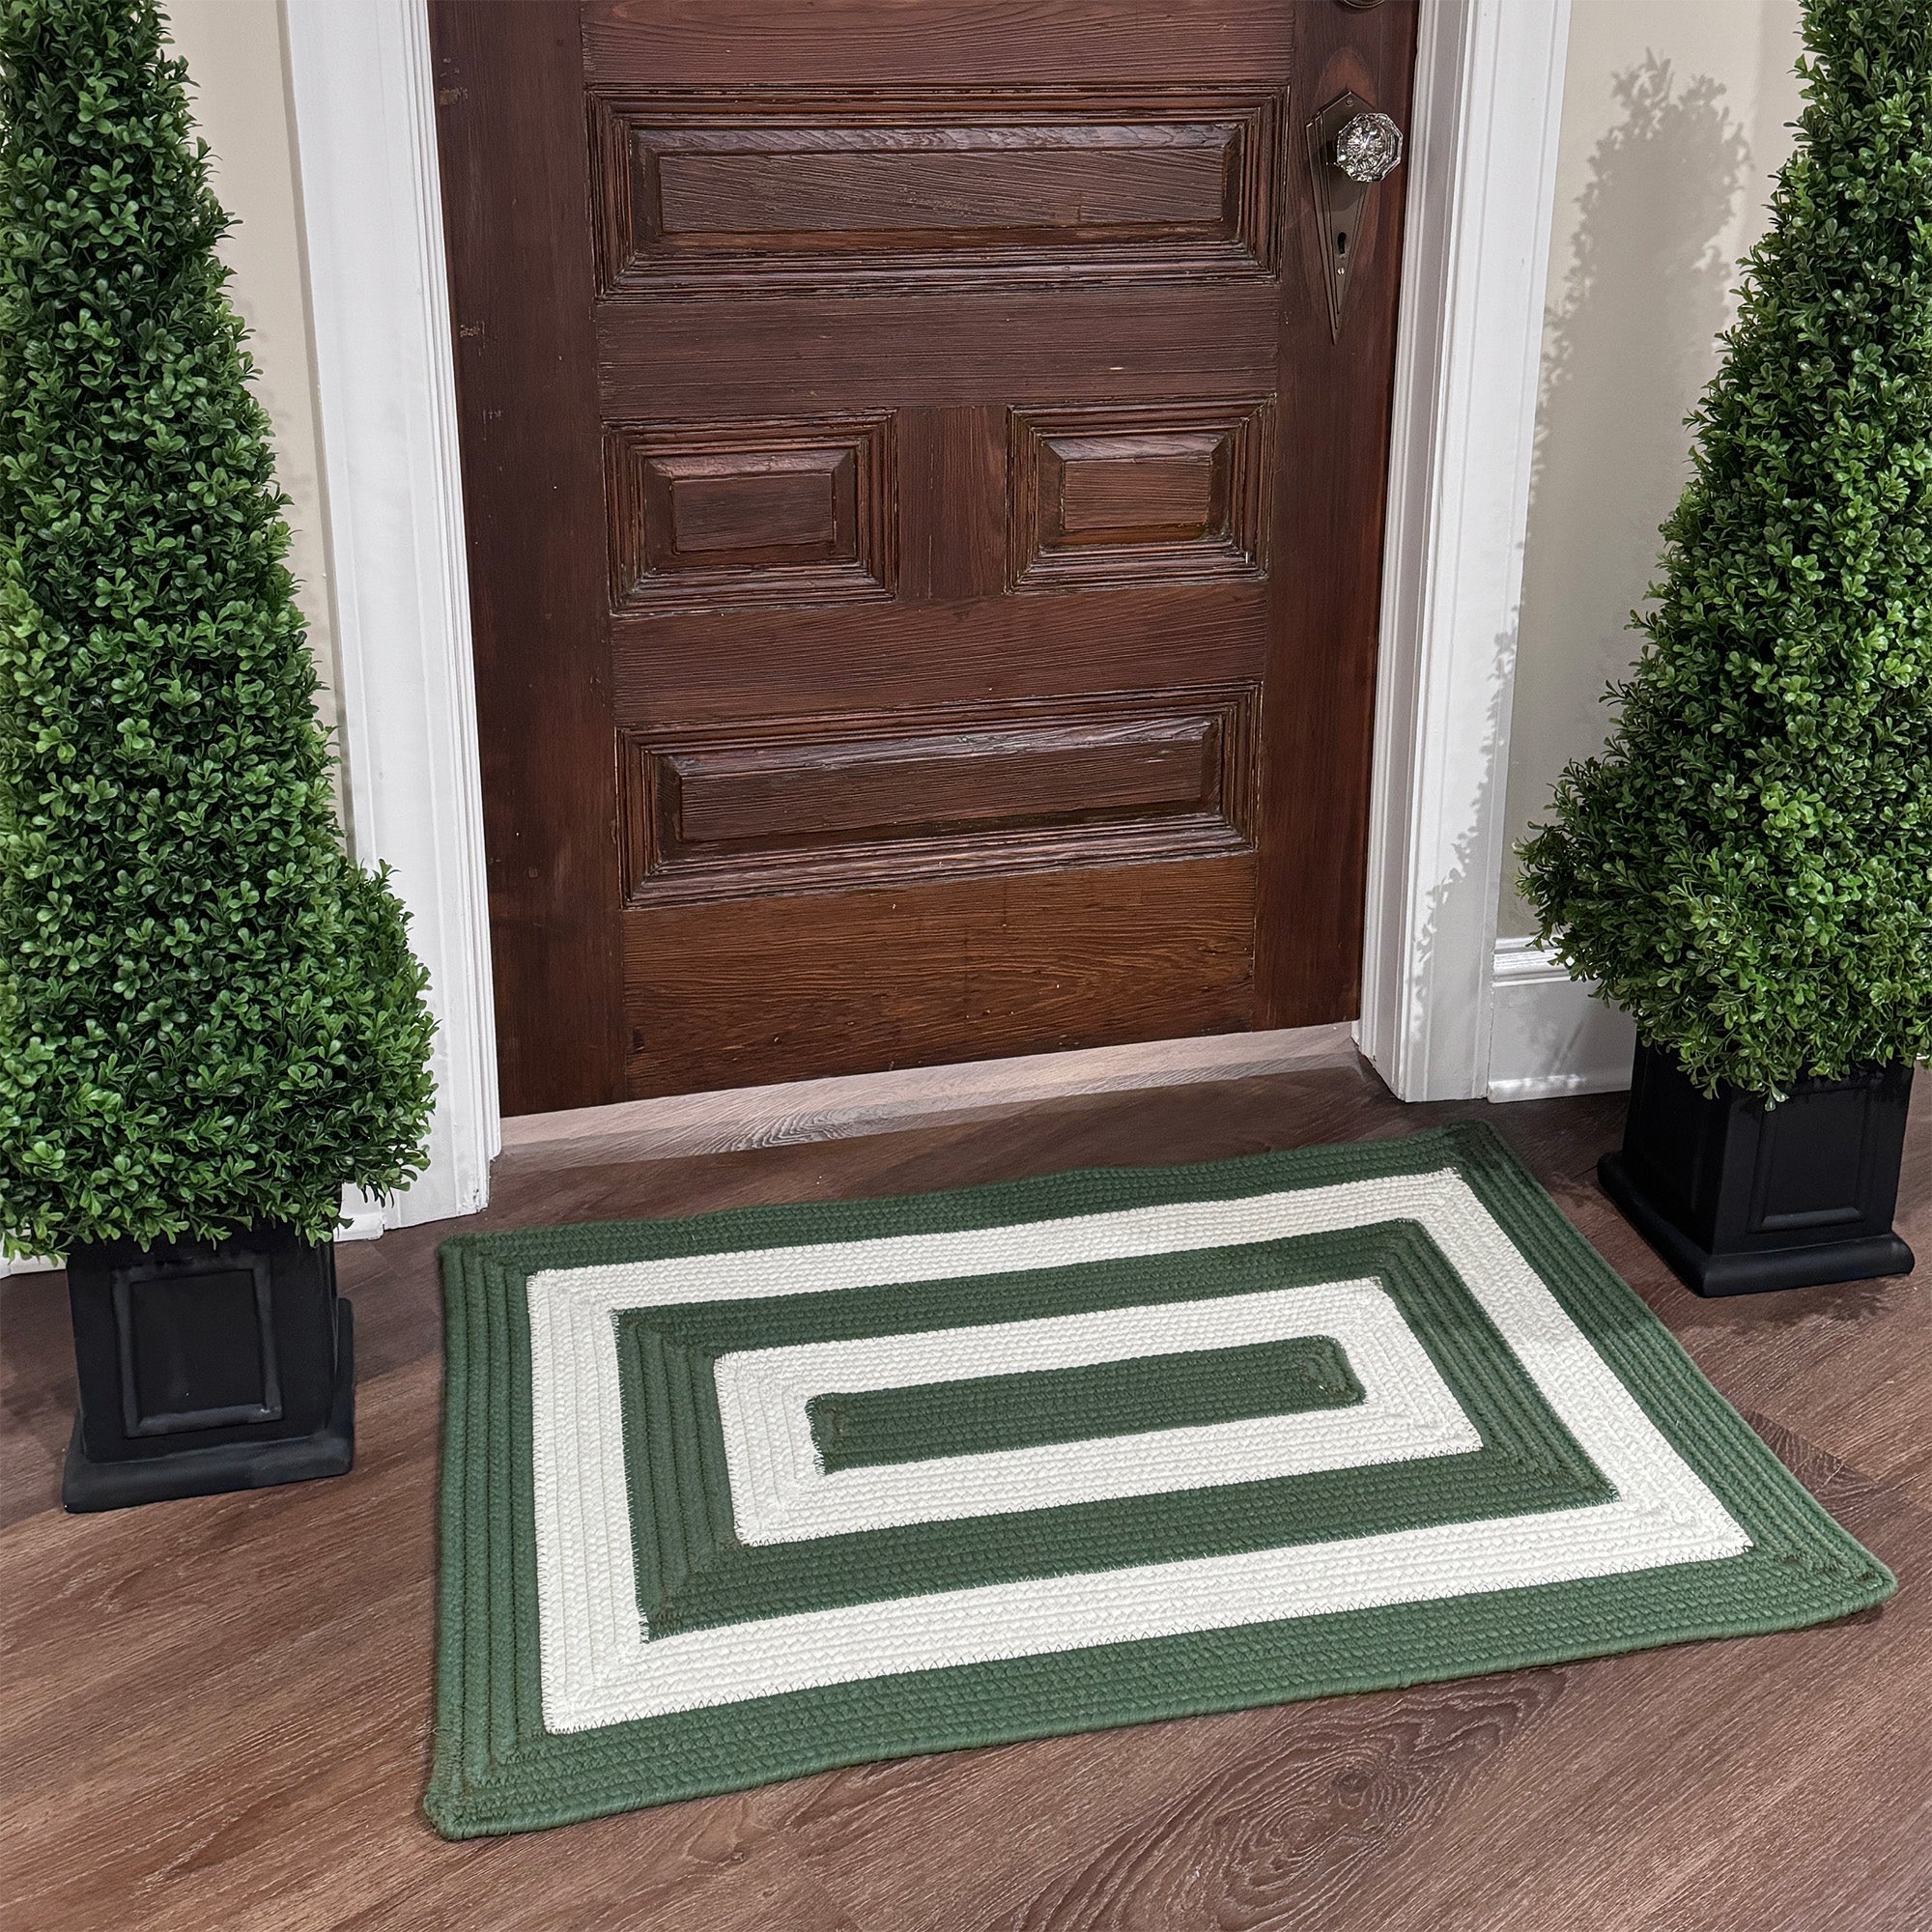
[(1628, 351)]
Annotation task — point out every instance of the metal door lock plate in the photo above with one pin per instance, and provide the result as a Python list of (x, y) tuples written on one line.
[(1350, 147)]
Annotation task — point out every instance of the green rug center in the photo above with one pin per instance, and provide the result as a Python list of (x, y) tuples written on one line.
[(1035, 1406), (693, 1573)]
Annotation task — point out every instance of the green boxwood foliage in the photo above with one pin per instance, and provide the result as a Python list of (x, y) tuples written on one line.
[(208, 1016), (1747, 867)]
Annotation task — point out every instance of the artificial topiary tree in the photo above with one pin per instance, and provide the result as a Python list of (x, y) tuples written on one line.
[(1747, 867), (209, 1016)]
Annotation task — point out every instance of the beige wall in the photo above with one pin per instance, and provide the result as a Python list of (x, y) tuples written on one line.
[(240, 89), (1674, 122)]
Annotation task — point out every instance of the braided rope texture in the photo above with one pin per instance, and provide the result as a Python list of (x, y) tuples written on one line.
[(738, 1497)]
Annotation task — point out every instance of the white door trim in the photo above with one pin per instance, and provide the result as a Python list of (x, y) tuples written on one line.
[(372, 210), (1488, 98), (1489, 94)]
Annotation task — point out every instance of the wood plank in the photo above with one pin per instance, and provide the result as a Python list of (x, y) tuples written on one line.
[(1727, 1736), (668, 358), (509, 80), (1336, 392), (864, 658), (932, 971), (691, 41), (1293, 1814)]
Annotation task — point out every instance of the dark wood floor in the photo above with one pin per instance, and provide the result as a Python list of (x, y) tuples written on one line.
[(216, 1713)]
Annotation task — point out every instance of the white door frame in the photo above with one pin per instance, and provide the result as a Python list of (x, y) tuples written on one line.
[(379, 304), (1482, 176), (1489, 99)]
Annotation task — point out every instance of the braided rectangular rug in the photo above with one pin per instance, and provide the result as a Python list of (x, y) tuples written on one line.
[(733, 1498)]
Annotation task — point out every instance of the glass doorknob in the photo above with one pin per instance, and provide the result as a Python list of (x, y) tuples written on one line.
[(1368, 147)]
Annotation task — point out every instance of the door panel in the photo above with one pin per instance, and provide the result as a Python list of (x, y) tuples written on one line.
[(972, 967), (924, 531), (708, 516), (817, 804), (1149, 343), (838, 189), (767, 44), (955, 649)]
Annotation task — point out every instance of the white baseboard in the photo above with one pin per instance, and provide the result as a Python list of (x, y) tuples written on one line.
[(367, 1221), (1551, 1035)]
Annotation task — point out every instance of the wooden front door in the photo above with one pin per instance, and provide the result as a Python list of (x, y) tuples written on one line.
[(925, 523)]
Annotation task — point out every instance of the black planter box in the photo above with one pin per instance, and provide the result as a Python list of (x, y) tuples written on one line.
[(206, 1367), (1740, 1198)]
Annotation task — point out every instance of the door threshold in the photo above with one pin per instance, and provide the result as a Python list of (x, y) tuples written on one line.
[(846, 1105)]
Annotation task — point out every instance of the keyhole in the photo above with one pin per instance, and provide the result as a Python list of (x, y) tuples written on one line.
[(1342, 241)]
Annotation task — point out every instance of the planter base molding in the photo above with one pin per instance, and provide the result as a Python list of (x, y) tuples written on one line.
[(206, 1366), (86, 1484), (1760, 1273), (1745, 1199)]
